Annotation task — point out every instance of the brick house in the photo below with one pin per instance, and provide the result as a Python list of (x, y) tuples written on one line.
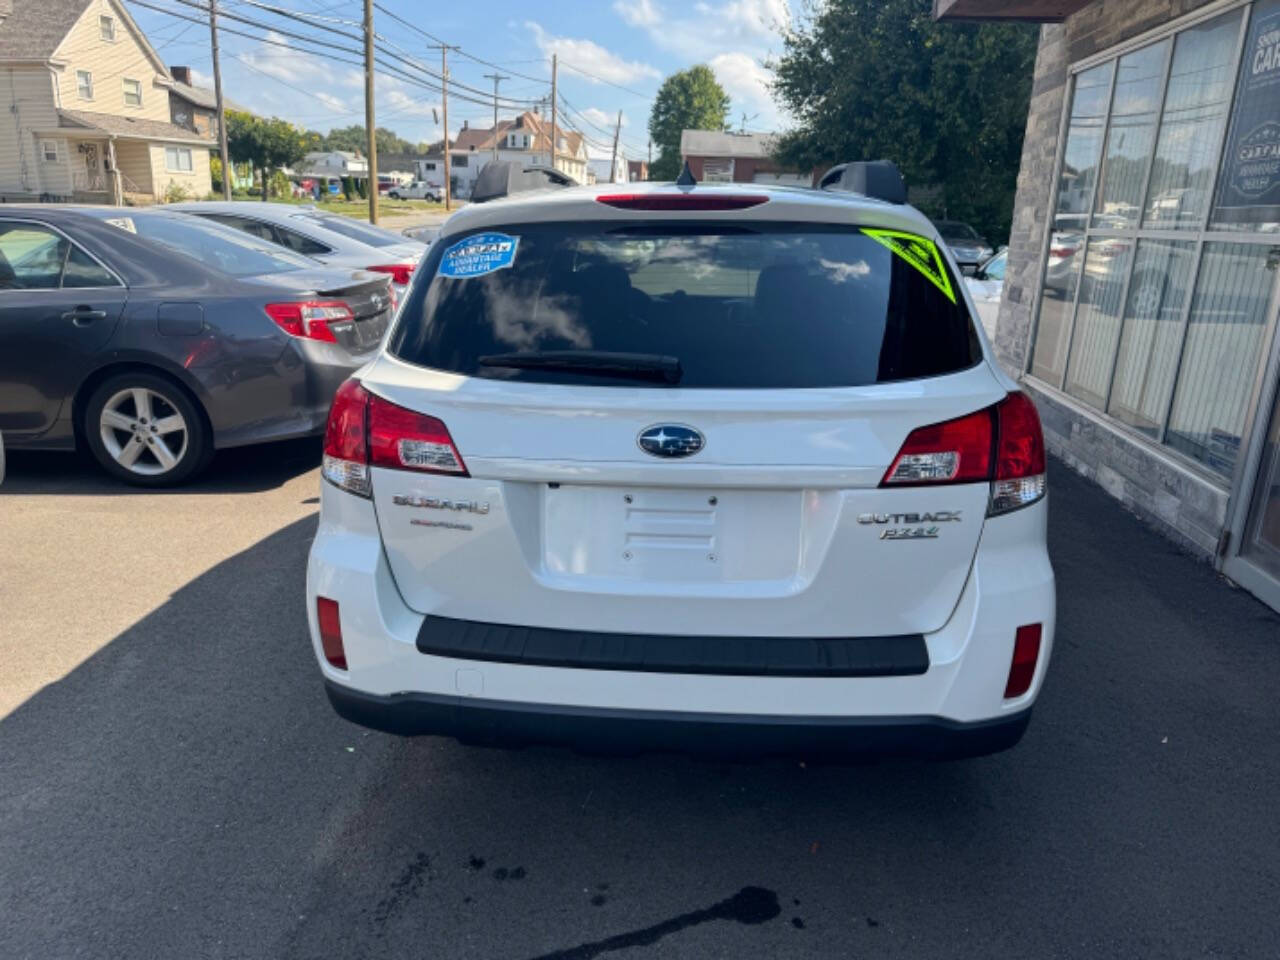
[(724, 156)]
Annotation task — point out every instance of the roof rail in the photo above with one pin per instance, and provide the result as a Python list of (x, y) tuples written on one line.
[(502, 178), (878, 179)]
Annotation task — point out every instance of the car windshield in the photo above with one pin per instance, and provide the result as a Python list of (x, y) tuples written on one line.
[(353, 229), (953, 230), (993, 269), (728, 306), (214, 245)]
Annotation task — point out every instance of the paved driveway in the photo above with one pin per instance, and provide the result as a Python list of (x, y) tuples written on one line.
[(173, 784)]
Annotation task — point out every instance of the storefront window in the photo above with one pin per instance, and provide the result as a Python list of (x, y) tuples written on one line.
[(1135, 110), (1195, 109), (1166, 335), (1148, 358), (1220, 355), (1075, 198)]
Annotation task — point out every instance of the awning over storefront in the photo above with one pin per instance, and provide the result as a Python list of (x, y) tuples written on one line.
[(1043, 11)]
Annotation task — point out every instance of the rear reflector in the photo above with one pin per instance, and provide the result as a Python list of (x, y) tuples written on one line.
[(682, 201), (400, 273), (1002, 444), (330, 624), (1026, 651), (312, 319)]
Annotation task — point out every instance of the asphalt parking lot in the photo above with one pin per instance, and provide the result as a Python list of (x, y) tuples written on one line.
[(174, 784)]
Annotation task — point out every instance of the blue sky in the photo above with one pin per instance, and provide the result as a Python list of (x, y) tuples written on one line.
[(621, 51)]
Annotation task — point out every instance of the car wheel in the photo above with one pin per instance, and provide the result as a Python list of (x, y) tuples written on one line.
[(144, 429)]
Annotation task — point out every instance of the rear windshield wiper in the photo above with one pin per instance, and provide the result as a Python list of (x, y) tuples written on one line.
[(634, 366)]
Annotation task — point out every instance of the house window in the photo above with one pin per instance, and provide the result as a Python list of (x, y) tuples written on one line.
[(177, 159), (49, 150), (107, 29), (1147, 313), (84, 84), (526, 141), (132, 93)]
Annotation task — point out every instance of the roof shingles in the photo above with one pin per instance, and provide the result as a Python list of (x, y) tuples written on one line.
[(127, 126), (34, 30)]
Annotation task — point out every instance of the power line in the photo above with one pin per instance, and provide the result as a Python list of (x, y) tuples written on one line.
[(462, 53), (634, 93)]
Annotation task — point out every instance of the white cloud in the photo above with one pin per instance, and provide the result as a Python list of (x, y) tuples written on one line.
[(332, 102), (593, 58), (706, 29), (277, 59), (201, 79), (638, 13), (747, 82), (602, 119)]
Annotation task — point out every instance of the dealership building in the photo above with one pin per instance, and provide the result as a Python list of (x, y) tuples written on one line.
[(1141, 296)]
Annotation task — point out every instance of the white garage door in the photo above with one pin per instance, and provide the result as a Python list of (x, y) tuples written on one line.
[(784, 179)]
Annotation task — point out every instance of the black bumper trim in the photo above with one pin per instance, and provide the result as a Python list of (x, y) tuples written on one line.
[(617, 731), (894, 656)]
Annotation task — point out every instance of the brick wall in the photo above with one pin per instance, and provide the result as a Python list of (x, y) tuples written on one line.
[(1178, 502)]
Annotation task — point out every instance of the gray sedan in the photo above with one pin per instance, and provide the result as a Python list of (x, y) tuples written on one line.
[(153, 338)]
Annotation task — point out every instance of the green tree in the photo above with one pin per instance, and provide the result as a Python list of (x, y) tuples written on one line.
[(689, 100), (353, 140), (265, 144), (947, 102)]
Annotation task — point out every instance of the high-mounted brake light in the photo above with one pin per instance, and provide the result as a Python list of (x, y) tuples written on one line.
[(1002, 444), (312, 319), (366, 431), (400, 273), (682, 201)]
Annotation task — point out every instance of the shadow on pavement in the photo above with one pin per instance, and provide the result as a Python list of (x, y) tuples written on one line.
[(187, 792), (249, 469)]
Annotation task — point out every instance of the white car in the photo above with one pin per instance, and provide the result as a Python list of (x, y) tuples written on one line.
[(693, 469), (417, 190), (986, 286), (328, 237)]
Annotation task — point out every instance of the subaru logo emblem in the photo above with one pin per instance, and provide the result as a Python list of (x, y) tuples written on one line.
[(671, 440)]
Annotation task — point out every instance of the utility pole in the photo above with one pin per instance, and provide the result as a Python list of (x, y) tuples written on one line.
[(444, 49), (613, 161), (553, 111), (496, 78), (369, 123), (217, 93)]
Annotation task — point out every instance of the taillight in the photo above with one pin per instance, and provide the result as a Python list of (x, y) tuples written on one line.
[(311, 319), (346, 444), (1002, 444), (1020, 461), (405, 440), (366, 431), (955, 451), (330, 623), (1062, 252), (400, 273), (682, 201), (1026, 651)]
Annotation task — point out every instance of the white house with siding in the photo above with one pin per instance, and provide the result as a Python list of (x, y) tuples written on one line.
[(86, 108)]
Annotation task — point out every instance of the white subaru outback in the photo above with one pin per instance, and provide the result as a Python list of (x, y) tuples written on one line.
[(724, 468)]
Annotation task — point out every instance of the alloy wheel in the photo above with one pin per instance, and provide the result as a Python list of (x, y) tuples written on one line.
[(143, 431)]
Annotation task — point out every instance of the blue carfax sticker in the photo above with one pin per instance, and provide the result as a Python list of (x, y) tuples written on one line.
[(479, 254)]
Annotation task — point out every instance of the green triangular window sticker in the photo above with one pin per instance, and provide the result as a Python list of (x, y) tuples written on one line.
[(920, 253)]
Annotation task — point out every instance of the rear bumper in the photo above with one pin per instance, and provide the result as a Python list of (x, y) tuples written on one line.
[(599, 730)]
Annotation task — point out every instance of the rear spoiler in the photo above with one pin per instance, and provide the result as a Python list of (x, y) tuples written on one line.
[(502, 178), (877, 179)]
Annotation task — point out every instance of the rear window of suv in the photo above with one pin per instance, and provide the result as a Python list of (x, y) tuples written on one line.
[(765, 306)]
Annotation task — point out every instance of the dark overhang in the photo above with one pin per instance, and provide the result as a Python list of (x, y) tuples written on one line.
[(1041, 11)]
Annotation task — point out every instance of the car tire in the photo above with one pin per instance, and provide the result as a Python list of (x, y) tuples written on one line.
[(145, 429)]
